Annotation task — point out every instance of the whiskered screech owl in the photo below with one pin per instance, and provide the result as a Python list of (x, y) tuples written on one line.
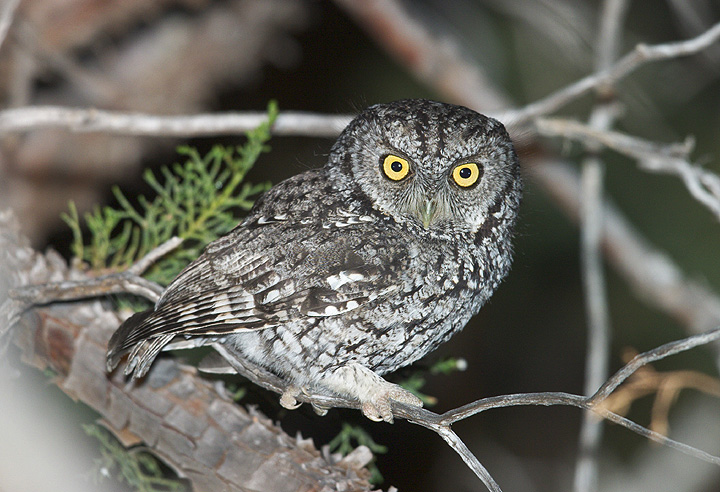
[(341, 274)]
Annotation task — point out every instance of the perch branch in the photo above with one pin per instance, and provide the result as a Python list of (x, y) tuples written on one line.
[(441, 423)]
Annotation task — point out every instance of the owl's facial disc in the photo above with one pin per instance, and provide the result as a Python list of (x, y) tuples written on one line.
[(446, 169)]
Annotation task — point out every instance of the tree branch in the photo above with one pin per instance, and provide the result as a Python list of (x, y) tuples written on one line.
[(703, 185), (641, 55), (122, 123), (597, 355)]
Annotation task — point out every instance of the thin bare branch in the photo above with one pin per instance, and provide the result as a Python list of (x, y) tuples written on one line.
[(468, 457), (641, 55), (567, 399), (651, 356), (95, 120), (126, 282), (70, 290), (631, 146), (703, 185)]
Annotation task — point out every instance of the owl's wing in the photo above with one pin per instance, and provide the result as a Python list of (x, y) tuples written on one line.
[(227, 291)]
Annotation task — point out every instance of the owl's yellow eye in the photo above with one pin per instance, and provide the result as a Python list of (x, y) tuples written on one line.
[(395, 168), (466, 175)]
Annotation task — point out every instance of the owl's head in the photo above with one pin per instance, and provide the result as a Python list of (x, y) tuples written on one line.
[(439, 166)]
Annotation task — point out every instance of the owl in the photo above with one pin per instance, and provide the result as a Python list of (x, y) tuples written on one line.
[(341, 274)]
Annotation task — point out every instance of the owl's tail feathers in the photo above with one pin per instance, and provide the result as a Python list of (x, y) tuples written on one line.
[(142, 351)]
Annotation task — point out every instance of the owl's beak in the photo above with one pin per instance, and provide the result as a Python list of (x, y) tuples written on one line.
[(427, 212)]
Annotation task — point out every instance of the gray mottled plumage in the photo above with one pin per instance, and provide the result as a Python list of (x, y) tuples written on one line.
[(341, 274)]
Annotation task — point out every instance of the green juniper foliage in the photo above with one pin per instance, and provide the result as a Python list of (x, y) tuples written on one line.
[(196, 201)]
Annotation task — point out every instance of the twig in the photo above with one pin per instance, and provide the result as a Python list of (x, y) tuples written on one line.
[(641, 55), (122, 123), (635, 147), (467, 456), (149, 259), (567, 399), (7, 13), (128, 281), (703, 185), (69, 290), (651, 356)]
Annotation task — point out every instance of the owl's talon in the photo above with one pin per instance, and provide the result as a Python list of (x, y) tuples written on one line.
[(288, 399), (320, 410)]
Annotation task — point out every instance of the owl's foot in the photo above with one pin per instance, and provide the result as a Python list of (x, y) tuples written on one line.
[(378, 408), (375, 394)]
